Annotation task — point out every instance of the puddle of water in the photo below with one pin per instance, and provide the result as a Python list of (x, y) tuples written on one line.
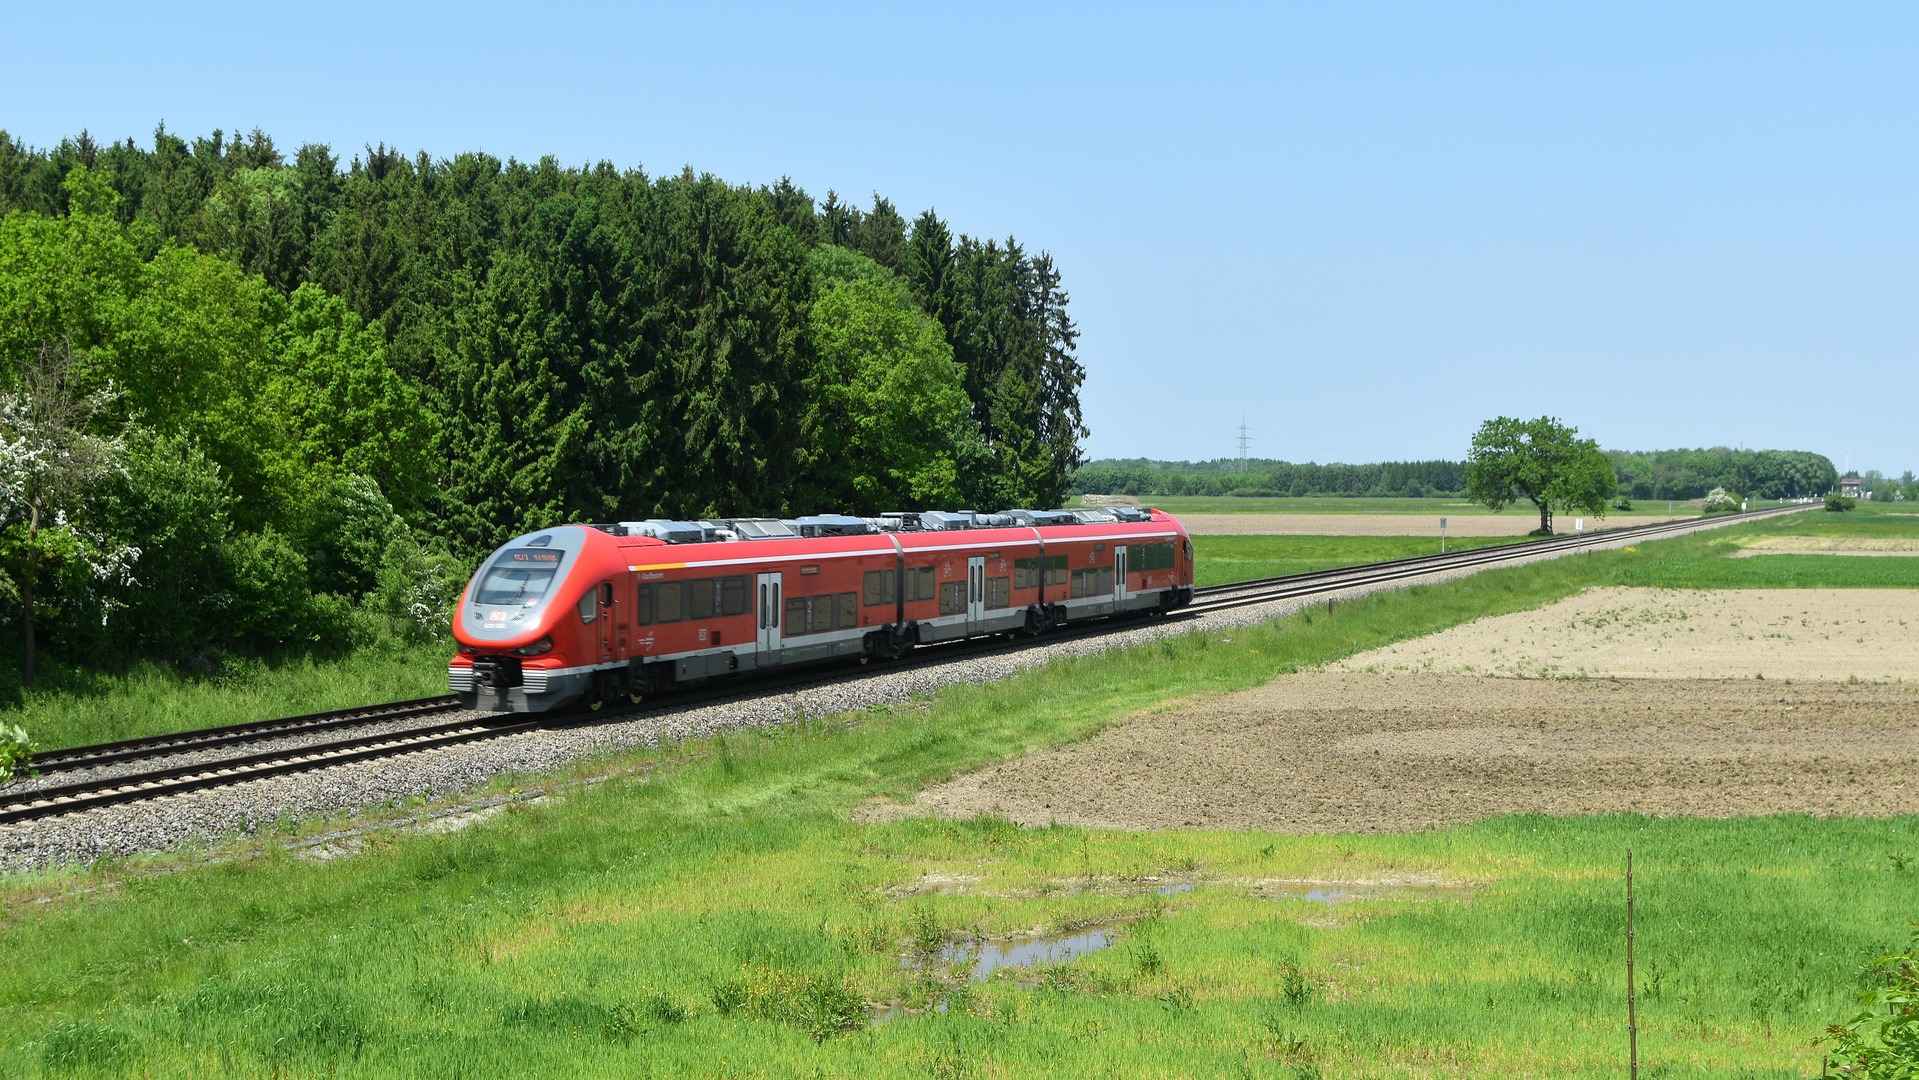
[(986, 957), (990, 956), (1168, 890), (1334, 894)]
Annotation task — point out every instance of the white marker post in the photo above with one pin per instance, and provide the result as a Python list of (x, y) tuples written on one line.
[(1442, 536), (1579, 525)]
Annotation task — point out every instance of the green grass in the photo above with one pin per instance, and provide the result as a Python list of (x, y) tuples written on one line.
[(1699, 561), (1870, 520), (1776, 572), (715, 915), (1229, 504), (72, 706), (1220, 560)]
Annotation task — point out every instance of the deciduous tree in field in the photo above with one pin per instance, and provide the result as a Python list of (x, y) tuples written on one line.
[(1543, 461)]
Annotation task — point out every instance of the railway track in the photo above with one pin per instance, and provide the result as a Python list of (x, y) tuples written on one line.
[(86, 794)]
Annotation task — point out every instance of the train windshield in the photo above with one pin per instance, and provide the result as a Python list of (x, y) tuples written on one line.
[(519, 576)]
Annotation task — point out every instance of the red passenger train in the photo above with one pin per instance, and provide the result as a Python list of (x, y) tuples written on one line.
[(585, 613)]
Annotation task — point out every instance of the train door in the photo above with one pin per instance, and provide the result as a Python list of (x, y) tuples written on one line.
[(605, 603), (1119, 574), (623, 618), (769, 601), (975, 596)]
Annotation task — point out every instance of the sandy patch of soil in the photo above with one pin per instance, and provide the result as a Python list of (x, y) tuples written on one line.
[(1350, 752), (1679, 634), (1514, 524), (1828, 545)]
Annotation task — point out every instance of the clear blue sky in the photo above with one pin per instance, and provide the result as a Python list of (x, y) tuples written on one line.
[(1364, 227)]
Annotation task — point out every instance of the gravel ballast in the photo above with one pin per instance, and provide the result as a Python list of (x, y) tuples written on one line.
[(243, 808)]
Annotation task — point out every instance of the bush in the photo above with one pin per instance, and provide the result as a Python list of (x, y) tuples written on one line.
[(1882, 1042), (1622, 503), (1839, 504), (16, 751), (1721, 501)]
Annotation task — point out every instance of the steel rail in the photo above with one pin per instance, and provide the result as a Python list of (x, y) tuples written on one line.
[(1474, 555), (85, 795), (1325, 581), (70, 759)]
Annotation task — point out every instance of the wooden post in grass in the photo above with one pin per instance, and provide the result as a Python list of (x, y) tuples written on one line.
[(1632, 1014)]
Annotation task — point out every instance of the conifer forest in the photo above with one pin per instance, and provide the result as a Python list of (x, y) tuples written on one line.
[(253, 396)]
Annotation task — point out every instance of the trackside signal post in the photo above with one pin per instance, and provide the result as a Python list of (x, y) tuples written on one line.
[(1442, 536)]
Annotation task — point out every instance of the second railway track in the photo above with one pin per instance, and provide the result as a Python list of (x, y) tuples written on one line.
[(168, 779)]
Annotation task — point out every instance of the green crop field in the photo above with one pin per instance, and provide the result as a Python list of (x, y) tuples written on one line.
[(1221, 560), (716, 909), (1232, 504), (1775, 572)]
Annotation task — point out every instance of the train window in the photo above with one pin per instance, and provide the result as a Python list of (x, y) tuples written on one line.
[(669, 601), (703, 599), (818, 614), (733, 596), (880, 586), (643, 606), (515, 584), (920, 583), (1055, 569), (952, 597), (999, 592), (1025, 573), (590, 605), (1146, 557), (1092, 581)]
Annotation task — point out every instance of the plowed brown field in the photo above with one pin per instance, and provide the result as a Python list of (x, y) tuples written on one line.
[(1359, 750)]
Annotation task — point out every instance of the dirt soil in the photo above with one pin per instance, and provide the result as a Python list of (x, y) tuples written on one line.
[(1355, 752), (1828, 545), (1680, 634), (1713, 703), (1513, 524)]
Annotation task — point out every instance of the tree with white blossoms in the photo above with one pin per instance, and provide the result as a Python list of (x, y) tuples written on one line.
[(49, 462)]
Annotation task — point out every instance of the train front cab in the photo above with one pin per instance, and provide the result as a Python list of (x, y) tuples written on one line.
[(545, 622)]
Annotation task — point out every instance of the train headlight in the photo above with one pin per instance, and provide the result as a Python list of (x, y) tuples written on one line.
[(544, 645)]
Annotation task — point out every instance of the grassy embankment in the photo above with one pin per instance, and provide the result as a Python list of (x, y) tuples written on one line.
[(717, 915), (69, 706)]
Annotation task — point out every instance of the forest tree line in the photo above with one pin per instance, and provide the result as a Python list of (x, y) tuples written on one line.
[(330, 387), (1658, 474)]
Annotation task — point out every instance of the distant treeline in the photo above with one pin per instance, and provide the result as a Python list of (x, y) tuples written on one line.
[(1657, 474), (1257, 477), (1689, 474)]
